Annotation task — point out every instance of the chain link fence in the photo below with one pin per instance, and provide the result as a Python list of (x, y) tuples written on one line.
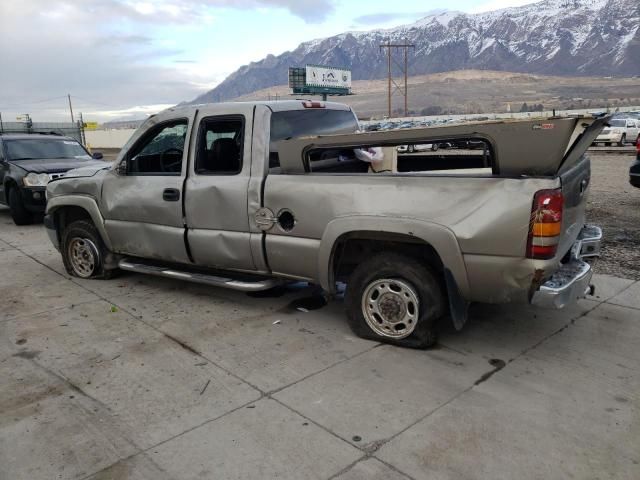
[(67, 129)]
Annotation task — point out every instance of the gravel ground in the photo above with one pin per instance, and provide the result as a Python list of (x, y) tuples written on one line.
[(615, 205)]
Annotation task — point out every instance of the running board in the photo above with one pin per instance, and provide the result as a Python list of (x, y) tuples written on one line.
[(213, 280)]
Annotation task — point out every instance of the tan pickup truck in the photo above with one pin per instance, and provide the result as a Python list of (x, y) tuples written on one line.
[(250, 195)]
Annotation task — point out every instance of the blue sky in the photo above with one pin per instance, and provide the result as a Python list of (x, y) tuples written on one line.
[(121, 58)]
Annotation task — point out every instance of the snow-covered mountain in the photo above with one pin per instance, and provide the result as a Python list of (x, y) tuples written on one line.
[(558, 37)]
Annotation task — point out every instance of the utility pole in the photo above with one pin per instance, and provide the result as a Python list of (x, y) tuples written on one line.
[(404, 69), (70, 107), (83, 139), (1, 125)]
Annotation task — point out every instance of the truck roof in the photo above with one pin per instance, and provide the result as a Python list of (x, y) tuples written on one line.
[(274, 105)]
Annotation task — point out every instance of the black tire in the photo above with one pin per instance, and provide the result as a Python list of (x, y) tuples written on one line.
[(623, 140), (607, 144), (434, 147), (411, 149), (19, 213), (396, 267), (87, 240)]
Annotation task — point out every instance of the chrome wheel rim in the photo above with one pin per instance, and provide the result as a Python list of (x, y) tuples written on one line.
[(390, 308), (83, 256)]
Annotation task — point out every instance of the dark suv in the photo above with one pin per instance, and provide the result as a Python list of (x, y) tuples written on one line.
[(28, 162), (634, 171)]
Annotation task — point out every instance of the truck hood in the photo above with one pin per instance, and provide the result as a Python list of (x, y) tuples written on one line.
[(87, 170), (59, 165)]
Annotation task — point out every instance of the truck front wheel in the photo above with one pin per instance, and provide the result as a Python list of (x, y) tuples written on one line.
[(83, 251), (393, 298)]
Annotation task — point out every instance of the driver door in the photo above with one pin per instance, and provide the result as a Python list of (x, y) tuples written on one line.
[(142, 199)]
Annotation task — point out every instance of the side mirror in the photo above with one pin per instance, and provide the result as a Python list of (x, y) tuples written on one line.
[(97, 155), (121, 169)]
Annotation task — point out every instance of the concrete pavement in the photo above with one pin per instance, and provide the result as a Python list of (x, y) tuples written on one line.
[(144, 378)]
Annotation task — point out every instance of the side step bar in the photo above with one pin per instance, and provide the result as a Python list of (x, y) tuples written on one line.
[(213, 280)]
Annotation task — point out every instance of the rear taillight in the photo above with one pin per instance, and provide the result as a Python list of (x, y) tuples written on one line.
[(638, 145), (546, 224)]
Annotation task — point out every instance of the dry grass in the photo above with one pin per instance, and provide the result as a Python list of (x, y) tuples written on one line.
[(478, 91)]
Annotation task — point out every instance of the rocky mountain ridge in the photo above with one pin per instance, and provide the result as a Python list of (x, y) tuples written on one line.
[(555, 37)]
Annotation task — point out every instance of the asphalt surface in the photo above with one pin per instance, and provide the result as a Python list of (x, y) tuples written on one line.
[(146, 378)]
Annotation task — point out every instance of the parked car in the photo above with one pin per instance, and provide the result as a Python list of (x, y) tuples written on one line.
[(634, 170), (28, 162), (250, 195), (619, 131)]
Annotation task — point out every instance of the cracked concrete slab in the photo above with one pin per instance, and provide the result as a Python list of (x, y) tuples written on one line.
[(504, 331), (84, 388), (264, 441), (48, 430), (608, 286), (153, 386), (31, 288), (139, 467), (609, 334), (260, 340), (378, 394), (371, 469), (21, 236), (629, 297), (558, 412)]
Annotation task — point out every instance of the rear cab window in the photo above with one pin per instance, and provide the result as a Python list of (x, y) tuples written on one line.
[(307, 122)]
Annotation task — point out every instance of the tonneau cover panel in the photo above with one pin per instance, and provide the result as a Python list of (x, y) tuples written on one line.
[(531, 147)]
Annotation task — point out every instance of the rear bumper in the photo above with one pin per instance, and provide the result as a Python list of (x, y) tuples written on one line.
[(572, 281), (608, 137)]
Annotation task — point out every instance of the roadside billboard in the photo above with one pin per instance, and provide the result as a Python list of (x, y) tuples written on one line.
[(324, 76)]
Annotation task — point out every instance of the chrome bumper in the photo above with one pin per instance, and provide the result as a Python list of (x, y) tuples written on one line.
[(572, 281)]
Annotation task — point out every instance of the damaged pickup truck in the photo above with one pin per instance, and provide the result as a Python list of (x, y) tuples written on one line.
[(250, 195)]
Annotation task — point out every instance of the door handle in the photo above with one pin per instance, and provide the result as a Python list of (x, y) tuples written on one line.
[(171, 194)]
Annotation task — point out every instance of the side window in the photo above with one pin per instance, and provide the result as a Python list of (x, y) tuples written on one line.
[(160, 151), (220, 141)]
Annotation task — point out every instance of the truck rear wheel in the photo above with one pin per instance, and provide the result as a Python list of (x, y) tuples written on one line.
[(392, 298), (83, 251)]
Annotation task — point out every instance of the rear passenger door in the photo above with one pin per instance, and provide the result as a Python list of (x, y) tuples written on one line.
[(216, 189)]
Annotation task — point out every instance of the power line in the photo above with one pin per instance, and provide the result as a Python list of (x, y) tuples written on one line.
[(93, 102), (5, 105)]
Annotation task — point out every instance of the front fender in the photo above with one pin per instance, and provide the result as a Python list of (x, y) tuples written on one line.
[(443, 241), (85, 202)]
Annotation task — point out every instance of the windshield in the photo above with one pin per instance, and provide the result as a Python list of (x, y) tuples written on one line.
[(618, 123), (45, 149), (301, 123)]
